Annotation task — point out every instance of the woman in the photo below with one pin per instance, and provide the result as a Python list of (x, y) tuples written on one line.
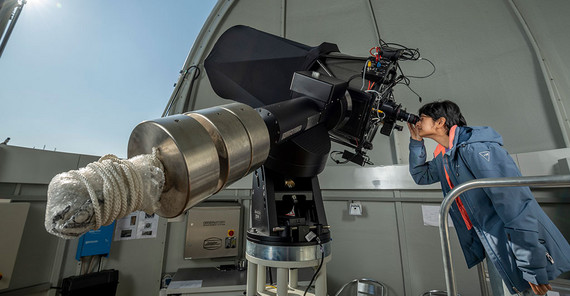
[(503, 224)]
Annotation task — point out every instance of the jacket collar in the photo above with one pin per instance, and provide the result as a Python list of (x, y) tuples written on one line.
[(440, 149), (452, 136)]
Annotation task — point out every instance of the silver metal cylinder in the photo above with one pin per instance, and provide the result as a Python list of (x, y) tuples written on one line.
[(287, 253), (202, 151), (282, 281), (293, 278), (321, 282), (261, 278), (251, 289)]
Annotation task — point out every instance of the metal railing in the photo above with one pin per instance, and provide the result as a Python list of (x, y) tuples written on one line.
[(543, 181)]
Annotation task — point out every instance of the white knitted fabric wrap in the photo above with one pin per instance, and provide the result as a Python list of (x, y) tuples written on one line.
[(105, 190)]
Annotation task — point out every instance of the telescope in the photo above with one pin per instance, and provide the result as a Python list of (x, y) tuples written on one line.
[(292, 101)]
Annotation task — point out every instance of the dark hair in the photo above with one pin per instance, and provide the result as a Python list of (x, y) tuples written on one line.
[(446, 109)]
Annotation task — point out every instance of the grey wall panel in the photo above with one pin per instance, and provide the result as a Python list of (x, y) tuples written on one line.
[(12, 222), (364, 246), (547, 21), (35, 258), (70, 266), (423, 249), (25, 165), (34, 166), (266, 16), (345, 23), (541, 164), (139, 263), (27, 172), (84, 160), (7, 189)]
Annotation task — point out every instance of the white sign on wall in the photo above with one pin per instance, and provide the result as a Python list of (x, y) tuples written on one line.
[(136, 225)]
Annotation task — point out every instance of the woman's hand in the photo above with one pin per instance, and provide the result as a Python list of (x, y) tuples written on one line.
[(414, 133), (540, 289)]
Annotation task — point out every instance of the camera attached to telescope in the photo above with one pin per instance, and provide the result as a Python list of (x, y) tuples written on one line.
[(351, 115)]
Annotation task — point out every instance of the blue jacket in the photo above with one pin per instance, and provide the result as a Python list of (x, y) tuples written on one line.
[(505, 222)]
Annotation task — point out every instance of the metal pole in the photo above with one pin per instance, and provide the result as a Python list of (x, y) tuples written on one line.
[(321, 281), (282, 281), (261, 278), (548, 181), (251, 287), (293, 278), (11, 27)]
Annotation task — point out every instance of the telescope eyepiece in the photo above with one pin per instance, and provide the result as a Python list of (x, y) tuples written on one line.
[(396, 112), (408, 117)]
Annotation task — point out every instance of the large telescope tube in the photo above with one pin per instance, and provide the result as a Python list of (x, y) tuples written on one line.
[(202, 152)]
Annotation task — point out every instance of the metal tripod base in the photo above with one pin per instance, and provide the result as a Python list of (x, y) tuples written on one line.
[(287, 260)]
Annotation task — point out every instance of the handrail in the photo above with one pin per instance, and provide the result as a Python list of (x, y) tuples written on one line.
[(548, 181)]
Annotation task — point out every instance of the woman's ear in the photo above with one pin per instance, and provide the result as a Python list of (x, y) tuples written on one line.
[(440, 122)]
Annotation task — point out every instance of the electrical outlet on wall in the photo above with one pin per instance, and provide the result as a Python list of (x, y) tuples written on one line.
[(355, 208)]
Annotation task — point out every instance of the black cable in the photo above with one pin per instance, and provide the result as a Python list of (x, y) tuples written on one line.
[(407, 82), (410, 88), (347, 159), (407, 53), (194, 77), (411, 54), (319, 268), (338, 161), (426, 76), (354, 76), (270, 275)]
